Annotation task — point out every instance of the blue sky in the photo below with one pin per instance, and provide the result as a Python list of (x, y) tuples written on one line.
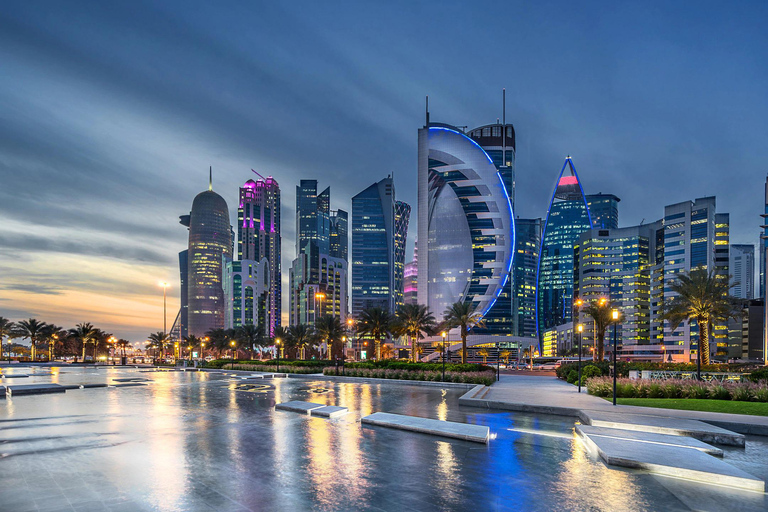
[(111, 113)]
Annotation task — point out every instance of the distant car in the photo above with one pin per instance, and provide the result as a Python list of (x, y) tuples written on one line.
[(547, 366)]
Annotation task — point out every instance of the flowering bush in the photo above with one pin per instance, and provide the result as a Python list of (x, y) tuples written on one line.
[(679, 388), (478, 377), (272, 368)]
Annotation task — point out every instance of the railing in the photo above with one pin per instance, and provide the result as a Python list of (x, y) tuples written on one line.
[(667, 374)]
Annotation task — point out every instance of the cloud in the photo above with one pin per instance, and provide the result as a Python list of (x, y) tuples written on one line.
[(32, 288)]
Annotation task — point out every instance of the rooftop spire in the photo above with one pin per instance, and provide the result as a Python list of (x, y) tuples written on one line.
[(427, 111), (210, 178)]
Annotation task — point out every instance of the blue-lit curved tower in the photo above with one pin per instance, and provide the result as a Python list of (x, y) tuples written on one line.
[(466, 233), (567, 217)]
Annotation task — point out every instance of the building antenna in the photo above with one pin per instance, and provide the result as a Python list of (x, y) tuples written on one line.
[(427, 111), (259, 175), (504, 106), (210, 178)]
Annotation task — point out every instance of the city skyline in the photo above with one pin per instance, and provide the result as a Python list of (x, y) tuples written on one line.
[(113, 161)]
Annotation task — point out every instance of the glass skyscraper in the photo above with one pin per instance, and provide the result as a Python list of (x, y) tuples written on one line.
[(466, 232), (567, 218), (604, 210), (379, 232), (527, 245)]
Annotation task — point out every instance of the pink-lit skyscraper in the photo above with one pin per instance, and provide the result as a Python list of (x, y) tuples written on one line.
[(258, 236), (411, 279)]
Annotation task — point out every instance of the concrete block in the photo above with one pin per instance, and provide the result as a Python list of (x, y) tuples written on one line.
[(649, 437), (675, 461), (298, 406), (34, 389), (664, 425), (465, 431), (329, 411)]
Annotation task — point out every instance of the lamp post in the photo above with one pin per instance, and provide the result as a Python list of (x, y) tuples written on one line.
[(580, 329), (202, 349), (189, 349), (165, 287), (277, 344), (350, 324), (232, 344), (444, 335), (615, 317)]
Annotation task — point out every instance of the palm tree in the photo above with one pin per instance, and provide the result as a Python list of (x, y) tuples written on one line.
[(387, 351), (329, 329), (84, 333), (55, 336), (505, 356), (286, 341), (704, 297), (218, 340), (376, 323), (301, 336), (34, 330), (484, 354), (600, 311), (7, 329), (250, 336), (460, 314), (101, 342), (159, 341), (414, 320), (123, 344)]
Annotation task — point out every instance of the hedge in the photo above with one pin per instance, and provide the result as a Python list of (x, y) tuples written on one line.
[(312, 363), (394, 364), (623, 367), (486, 377), (679, 388)]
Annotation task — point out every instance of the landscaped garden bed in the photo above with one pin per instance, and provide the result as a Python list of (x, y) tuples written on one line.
[(286, 366), (432, 372), (679, 389)]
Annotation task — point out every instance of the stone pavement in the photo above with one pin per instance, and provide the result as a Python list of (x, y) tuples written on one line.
[(550, 395)]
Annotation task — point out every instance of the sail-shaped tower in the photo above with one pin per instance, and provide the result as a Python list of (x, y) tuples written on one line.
[(567, 217)]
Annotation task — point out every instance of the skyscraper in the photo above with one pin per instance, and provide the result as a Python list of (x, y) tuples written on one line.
[(411, 279), (210, 239), (567, 218), (527, 245), (742, 269), (258, 236), (604, 210), (379, 232), (318, 275), (246, 293), (183, 324), (465, 227)]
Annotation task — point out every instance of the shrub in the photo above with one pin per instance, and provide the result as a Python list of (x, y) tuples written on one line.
[(573, 376), (719, 392), (742, 392), (758, 375), (590, 371)]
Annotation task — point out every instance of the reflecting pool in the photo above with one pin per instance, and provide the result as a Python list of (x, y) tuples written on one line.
[(208, 441)]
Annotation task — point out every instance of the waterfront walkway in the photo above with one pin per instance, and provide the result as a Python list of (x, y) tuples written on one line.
[(550, 395)]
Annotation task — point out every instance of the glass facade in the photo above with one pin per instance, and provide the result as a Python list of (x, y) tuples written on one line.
[(604, 210), (402, 216), (567, 218), (527, 245), (466, 227)]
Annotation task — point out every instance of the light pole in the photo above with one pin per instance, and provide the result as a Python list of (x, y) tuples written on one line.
[(615, 317), (277, 343), (580, 328), (165, 287), (350, 324), (319, 296), (445, 335), (232, 344)]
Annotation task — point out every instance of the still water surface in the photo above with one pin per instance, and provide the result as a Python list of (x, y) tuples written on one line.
[(189, 441)]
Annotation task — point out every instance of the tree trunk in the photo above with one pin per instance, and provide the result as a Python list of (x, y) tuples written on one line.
[(600, 352), (703, 339), (378, 350), (463, 345)]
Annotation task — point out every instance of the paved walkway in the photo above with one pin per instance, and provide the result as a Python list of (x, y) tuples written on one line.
[(551, 395)]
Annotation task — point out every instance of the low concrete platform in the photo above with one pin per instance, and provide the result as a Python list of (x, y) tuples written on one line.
[(675, 461), (664, 425), (329, 411), (34, 389), (465, 431), (298, 406), (134, 379), (16, 376), (84, 386), (649, 437), (127, 384), (2, 391)]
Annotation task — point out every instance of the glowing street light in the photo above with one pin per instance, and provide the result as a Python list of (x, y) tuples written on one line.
[(165, 287), (444, 335), (580, 329), (615, 318), (277, 343)]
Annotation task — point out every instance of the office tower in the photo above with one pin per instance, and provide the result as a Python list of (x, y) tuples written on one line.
[(259, 236), (695, 236), (567, 218), (604, 210), (318, 275), (402, 217), (764, 273), (184, 292), (379, 232), (411, 278), (210, 239), (527, 244), (752, 347), (742, 268), (616, 264), (761, 266), (246, 293), (465, 226)]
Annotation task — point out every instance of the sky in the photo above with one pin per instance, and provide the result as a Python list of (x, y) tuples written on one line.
[(112, 112)]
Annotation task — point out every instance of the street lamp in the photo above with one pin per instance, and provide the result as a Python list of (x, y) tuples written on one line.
[(319, 296), (277, 343), (165, 286), (444, 335), (615, 318), (189, 349), (232, 344), (580, 329), (202, 348)]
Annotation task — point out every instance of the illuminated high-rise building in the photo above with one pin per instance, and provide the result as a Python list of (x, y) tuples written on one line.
[(210, 239), (379, 233), (567, 218), (258, 236), (466, 235), (742, 269), (604, 210), (411, 278), (527, 245)]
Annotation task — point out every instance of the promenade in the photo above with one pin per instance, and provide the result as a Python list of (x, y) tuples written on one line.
[(550, 395)]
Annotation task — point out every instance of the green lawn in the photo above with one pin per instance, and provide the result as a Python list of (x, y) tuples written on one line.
[(691, 404)]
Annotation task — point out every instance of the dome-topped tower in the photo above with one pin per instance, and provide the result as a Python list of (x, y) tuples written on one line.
[(209, 239)]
